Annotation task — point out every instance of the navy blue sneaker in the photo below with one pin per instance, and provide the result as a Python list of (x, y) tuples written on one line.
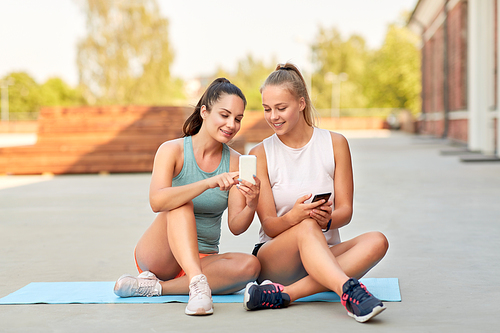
[(268, 295), (359, 303)]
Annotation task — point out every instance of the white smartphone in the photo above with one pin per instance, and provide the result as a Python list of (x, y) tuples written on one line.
[(248, 167)]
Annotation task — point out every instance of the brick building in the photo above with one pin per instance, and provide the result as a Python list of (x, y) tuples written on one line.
[(460, 85)]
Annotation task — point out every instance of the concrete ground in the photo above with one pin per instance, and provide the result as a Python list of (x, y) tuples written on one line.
[(441, 216)]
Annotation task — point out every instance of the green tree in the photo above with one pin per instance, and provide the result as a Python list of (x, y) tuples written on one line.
[(24, 94), (393, 75), (332, 54), (385, 78), (126, 56), (55, 92)]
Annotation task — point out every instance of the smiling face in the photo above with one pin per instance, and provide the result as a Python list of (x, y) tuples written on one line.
[(282, 109), (224, 120)]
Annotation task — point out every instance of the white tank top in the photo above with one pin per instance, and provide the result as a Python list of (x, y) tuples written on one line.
[(294, 172)]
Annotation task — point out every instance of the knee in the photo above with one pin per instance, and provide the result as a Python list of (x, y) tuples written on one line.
[(307, 227), (379, 243), (187, 208), (249, 267)]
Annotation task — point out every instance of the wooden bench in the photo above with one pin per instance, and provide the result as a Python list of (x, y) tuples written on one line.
[(113, 139), (95, 139), (109, 139)]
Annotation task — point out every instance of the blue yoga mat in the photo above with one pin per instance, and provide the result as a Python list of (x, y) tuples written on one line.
[(386, 289)]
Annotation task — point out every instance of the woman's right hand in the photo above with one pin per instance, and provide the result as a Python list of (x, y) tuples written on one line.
[(301, 210), (223, 181)]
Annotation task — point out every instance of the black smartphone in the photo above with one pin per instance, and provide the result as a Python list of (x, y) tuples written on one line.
[(318, 197)]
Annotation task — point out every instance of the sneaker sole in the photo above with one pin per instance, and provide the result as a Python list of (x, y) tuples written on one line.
[(199, 312), (246, 298), (365, 318)]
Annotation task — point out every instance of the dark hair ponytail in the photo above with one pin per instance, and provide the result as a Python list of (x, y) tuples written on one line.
[(213, 93)]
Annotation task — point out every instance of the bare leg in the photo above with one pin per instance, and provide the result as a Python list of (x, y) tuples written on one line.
[(226, 273), (298, 251), (301, 259), (171, 243), (153, 251), (356, 257), (182, 237)]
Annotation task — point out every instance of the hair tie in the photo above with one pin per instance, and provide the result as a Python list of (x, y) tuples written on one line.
[(285, 68), (222, 80)]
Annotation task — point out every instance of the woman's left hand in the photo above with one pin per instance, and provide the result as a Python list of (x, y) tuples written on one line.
[(250, 191), (322, 214)]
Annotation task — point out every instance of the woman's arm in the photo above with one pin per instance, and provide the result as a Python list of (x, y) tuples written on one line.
[(168, 161), (242, 201), (344, 183)]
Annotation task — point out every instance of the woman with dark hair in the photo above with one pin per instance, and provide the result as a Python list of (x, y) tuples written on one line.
[(192, 184), (299, 243)]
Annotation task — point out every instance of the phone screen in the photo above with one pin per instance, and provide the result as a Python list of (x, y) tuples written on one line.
[(318, 197), (248, 167)]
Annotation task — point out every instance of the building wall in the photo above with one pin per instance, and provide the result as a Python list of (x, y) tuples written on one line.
[(433, 103), (495, 41), (469, 121), (457, 55)]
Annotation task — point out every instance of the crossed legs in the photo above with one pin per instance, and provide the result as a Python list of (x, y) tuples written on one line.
[(300, 259), (170, 244)]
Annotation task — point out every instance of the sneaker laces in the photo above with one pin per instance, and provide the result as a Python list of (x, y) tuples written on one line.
[(146, 284), (200, 286), (146, 287), (356, 292), (271, 299)]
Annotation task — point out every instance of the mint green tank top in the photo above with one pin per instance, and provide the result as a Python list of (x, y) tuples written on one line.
[(208, 206)]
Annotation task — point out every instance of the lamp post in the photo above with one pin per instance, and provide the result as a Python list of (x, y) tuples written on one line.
[(336, 81), (4, 86)]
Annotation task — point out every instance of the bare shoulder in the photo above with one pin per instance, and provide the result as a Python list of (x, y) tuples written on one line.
[(258, 150), (339, 141), (260, 153), (341, 151), (169, 158), (175, 146)]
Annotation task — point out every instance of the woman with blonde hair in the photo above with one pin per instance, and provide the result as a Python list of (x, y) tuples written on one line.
[(299, 244)]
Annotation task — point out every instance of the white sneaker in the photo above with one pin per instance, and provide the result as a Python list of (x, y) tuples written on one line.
[(200, 297), (146, 284)]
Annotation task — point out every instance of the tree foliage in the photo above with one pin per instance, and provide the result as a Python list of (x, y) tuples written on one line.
[(55, 92), (394, 72), (385, 78), (126, 56), (26, 96), (332, 54), (24, 93)]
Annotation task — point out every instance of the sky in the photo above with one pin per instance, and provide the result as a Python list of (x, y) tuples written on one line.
[(40, 36)]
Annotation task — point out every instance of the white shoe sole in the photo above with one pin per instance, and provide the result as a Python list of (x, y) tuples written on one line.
[(247, 295), (369, 316), (199, 312)]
